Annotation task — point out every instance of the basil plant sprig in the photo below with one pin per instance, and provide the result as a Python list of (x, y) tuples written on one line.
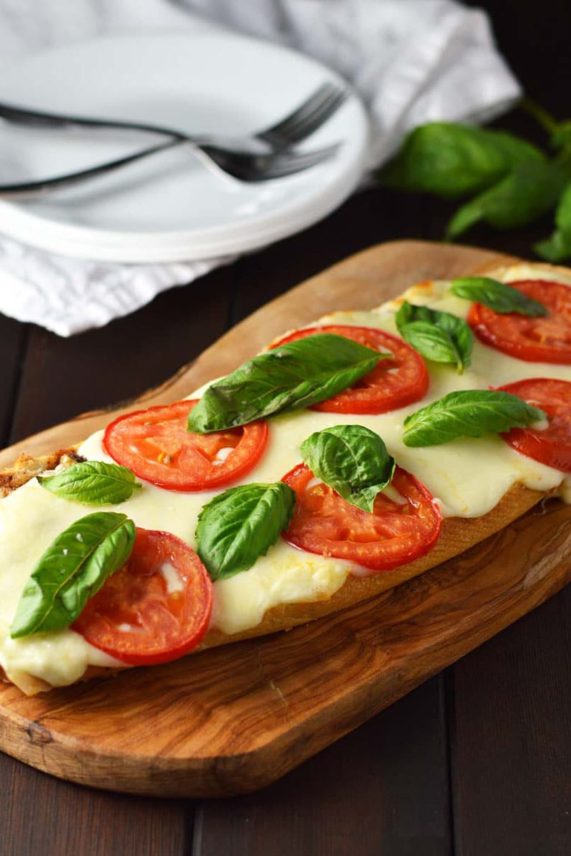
[(436, 335), (496, 295), (92, 483), (452, 160), (557, 248), (240, 525), (73, 569), (295, 375), (352, 460), (509, 182), (468, 413)]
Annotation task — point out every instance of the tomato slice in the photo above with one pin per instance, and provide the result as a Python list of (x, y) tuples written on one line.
[(155, 608), (393, 383), (395, 533), (156, 445), (546, 340), (551, 446)]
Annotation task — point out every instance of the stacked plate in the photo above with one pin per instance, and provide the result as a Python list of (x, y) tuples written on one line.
[(173, 206)]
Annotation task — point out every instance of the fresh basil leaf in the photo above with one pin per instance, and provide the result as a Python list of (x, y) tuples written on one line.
[(452, 160), (557, 248), (438, 336), (561, 135), (240, 525), (290, 377), (352, 460), (73, 568), (529, 191), (468, 413), (92, 483), (559, 132), (499, 296), (432, 342)]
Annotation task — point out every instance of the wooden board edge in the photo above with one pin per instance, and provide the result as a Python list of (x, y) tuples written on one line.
[(244, 772), (228, 775)]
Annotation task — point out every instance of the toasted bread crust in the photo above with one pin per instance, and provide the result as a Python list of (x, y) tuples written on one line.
[(457, 535), (26, 468)]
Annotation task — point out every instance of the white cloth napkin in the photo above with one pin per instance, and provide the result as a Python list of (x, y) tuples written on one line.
[(411, 61)]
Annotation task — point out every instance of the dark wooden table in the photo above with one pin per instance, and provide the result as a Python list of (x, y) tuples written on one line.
[(478, 760)]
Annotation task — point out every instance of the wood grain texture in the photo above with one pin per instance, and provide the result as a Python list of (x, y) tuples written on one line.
[(383, 789), (43, 817), (233, 720), (12, 342), (236, 718), (511, 762), (132, 353)]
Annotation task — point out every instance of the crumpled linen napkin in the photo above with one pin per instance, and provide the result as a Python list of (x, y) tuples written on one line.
[(411, 61)]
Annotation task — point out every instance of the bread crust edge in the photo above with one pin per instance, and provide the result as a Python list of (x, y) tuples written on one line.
[(457, 535)]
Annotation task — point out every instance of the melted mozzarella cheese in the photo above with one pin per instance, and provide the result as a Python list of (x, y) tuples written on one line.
[(170, 575), (468, 477)]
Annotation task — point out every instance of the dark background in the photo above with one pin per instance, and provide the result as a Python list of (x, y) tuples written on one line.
[(477, 761)]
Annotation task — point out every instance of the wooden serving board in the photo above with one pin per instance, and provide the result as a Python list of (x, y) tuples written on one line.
[(235, 718)]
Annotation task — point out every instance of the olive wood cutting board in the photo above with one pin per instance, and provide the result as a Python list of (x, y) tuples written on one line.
[(236, 718)]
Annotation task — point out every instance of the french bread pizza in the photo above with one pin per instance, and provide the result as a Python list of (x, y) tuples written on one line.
[(346, 458)]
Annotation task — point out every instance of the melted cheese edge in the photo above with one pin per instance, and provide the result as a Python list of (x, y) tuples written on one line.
[(468, 478)]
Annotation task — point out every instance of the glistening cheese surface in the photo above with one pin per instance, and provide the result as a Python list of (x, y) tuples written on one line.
[(467, 477)]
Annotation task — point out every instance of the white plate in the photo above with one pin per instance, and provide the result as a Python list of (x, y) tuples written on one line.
[(171, 207)]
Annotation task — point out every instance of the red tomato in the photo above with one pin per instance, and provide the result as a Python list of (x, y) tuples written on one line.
[(553, 445), (156, 445), (546, 340), (155, 608), (396, 532), (393, 383)]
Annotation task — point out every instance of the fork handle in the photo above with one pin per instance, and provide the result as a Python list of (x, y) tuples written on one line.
[(43, 119), (44, 186)]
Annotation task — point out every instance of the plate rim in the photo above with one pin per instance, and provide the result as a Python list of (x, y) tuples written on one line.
[(171, 246)]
